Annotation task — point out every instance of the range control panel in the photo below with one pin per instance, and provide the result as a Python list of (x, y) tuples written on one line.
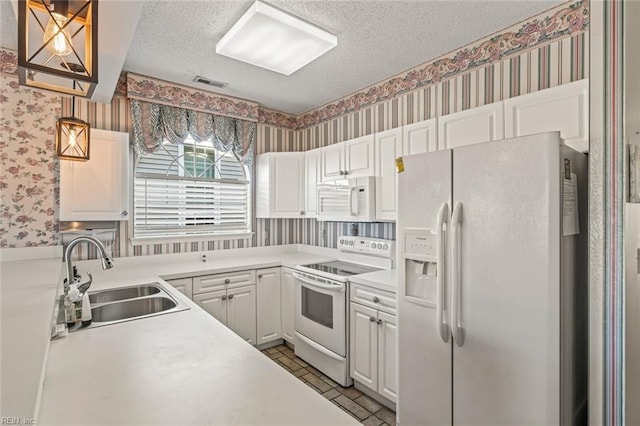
[(366, 245)]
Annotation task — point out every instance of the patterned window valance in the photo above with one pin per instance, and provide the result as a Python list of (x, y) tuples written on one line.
[(154, 123)]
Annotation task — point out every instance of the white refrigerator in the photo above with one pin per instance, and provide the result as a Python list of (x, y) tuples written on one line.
[(492, 299)]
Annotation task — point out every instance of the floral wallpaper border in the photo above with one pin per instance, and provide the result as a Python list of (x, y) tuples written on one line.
[(164, 92)]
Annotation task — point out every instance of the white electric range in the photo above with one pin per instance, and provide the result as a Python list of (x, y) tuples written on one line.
[(322, 302)]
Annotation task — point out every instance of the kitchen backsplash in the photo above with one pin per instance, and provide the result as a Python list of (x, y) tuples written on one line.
[(545, 51)]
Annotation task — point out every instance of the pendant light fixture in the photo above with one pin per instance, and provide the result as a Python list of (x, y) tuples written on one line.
[(57, 45), (72, 137)]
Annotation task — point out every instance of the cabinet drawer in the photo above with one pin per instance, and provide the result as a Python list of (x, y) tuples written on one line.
[(374, 298), (183, 285), (222, 281)]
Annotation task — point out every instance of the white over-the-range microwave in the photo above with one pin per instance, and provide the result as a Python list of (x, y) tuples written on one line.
[(347, 200)]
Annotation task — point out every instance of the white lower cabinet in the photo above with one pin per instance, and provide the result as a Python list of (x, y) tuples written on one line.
[(269, 305), (364, 345), (241, 312), (183, 285), (373, 346), (286, 297), (215, 303), (230, 302), (387, 355)]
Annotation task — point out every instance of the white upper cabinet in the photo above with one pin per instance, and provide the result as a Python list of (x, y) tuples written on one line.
[(97, 189), (333, 162), (352, 158), (388, 147), (359, 157), (476, 125), (420, 137), (564, 108), (312, 170), (280, 185)]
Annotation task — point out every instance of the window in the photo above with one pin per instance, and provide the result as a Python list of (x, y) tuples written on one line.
[(191, 189)]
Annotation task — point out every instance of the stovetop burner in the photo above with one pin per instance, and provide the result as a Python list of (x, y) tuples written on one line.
[(343, 269)]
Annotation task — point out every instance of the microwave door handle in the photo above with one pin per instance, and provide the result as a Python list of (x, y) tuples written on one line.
[(335, 288), (351, 197)]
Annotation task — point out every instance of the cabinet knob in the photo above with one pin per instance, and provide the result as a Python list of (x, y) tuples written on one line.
[(341, 172), (124, 213), (230, 296), (346, 172), (259, 276), (301, 212), (224, 297), (227, 281), (372, 319), (379, 321), (376, 299)]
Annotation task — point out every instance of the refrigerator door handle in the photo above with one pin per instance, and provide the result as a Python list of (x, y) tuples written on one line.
[(443, 220), (456, 328)]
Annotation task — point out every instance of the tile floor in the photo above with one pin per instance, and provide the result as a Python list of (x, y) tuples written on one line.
[(366, 410)]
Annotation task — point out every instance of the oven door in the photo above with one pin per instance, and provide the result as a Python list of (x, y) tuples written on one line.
[(320, 311)]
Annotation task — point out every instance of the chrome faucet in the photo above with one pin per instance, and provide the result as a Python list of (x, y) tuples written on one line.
[(107, 262)]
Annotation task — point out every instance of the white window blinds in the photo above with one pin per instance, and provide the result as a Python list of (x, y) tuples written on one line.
[(191, 189)]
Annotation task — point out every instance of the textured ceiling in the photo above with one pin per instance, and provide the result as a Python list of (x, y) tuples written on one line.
[(175, 41)]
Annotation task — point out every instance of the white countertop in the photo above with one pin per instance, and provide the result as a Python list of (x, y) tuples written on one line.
[(383, 280), (181, 368), (27, 294)]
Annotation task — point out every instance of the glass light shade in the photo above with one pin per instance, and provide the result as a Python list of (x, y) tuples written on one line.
[(270, 38), (58, 45), (72, 139), (57, 36)]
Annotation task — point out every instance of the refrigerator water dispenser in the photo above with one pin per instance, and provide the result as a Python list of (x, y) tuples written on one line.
[(421, 268)]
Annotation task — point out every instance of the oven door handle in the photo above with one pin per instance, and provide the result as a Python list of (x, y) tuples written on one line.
[(335, 288), (318, 347)]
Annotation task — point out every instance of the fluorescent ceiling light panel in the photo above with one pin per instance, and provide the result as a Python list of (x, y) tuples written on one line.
[(270, 38)]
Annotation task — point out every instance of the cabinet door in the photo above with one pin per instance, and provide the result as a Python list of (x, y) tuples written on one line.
[(364, 345), (97, 189), (332, 162), (183, 285), (286, 294), (387, 356), (359, 156), (476, 125), (312, 171), (215, 303), (388, 146), (564, 108), (287, 185), (241, 312), (418, 138), (269, 323)]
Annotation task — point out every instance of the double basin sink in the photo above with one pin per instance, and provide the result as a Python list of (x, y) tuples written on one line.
[(130, 303)]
